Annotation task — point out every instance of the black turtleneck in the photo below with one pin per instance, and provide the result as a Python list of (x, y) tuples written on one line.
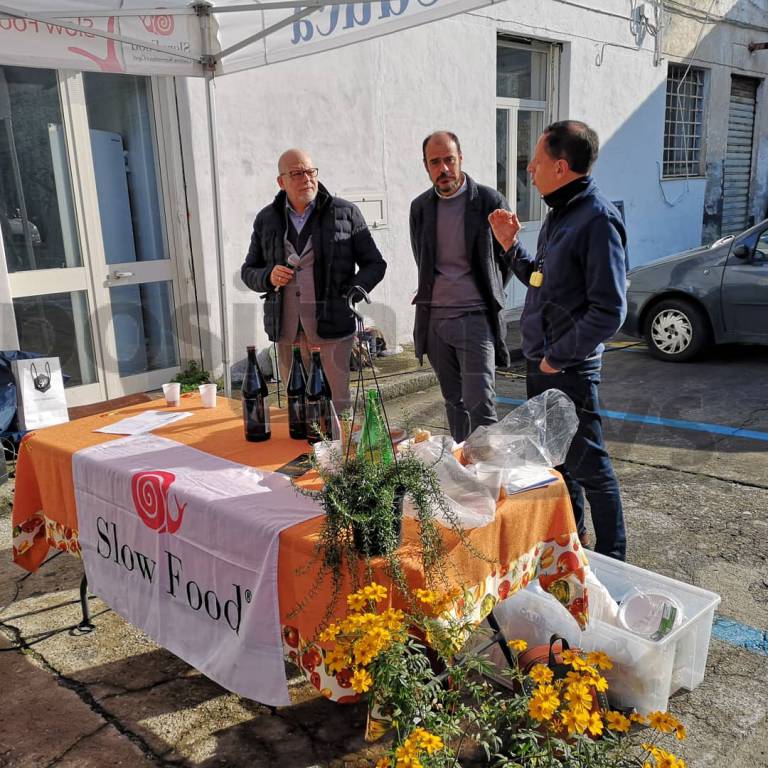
[(563, 195)]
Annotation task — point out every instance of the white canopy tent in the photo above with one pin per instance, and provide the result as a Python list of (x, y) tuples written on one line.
[(199, 39)]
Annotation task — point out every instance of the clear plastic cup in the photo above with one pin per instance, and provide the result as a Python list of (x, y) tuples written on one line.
[(172, 392), (208, 395)]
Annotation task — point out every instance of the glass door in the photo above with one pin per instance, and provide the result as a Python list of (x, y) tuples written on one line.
[(139, 299), (83, 226), (49, 279)]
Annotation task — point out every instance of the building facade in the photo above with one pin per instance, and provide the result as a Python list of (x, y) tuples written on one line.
[(106, 204)]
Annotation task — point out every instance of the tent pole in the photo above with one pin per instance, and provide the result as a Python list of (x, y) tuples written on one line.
[(210, 101), (203, 10)]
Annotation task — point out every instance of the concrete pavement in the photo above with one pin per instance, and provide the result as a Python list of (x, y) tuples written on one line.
[(695, 504)]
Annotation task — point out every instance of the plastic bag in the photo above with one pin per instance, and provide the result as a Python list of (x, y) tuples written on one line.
[(470, 501), (537, 432)]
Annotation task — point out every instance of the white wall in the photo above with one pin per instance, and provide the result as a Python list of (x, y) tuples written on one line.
[(362, 112)]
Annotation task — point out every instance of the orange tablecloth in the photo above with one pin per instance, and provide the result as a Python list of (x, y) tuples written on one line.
[(533, 534)]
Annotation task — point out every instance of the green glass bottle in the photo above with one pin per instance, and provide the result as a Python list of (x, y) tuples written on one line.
[(374, 442)]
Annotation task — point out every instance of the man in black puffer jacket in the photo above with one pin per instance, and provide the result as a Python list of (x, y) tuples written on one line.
[(329, 248)]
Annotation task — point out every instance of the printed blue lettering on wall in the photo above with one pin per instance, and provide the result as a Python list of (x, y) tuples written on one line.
[(355, 15), (352, 17), (387, 10), (333, 21)]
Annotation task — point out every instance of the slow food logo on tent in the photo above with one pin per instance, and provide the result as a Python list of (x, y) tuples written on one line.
[(150, 492), (158, 25)]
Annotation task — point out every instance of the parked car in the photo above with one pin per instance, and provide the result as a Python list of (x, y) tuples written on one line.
[(715, 294)]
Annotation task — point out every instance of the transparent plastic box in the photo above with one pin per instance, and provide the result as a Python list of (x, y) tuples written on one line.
[(646, 672)]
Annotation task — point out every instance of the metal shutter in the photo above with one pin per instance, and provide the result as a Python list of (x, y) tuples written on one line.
[(738, 155)]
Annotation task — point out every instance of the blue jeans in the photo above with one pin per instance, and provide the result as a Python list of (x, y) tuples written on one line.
[(587, 469)]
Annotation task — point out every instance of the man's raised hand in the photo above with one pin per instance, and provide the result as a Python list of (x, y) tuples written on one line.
[(505, 225)]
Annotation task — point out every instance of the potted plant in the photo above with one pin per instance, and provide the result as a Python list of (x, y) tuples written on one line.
[(363, 505)]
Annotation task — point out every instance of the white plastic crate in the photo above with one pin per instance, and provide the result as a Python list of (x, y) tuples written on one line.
[(646, 672)]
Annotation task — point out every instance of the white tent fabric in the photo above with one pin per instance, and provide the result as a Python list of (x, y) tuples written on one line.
[(171, 37), (203, 38)]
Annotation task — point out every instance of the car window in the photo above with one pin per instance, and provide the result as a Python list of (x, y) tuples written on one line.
[(761, 250)]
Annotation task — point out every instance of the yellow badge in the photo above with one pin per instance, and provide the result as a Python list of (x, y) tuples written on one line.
[(537, 278)]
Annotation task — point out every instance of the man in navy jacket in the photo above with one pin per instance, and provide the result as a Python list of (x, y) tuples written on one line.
[(575, 302)]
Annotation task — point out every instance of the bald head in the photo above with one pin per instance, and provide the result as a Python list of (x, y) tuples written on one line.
[(293, 157), (298, 177)]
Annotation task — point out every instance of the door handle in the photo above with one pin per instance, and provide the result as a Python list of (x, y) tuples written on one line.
[(118, 275)]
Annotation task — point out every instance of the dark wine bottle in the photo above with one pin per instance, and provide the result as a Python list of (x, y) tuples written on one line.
[(297, 393), (255, 402), (319, 423)]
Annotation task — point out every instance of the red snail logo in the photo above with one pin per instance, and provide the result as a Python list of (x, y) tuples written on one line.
[(158, 25), (150, 497)]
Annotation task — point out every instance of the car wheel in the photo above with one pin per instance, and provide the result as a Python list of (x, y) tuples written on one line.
[(676, 330)]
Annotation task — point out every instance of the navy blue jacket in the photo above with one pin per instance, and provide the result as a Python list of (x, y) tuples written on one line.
[(582, 301)]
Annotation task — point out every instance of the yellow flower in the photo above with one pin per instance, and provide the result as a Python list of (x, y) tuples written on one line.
[(329, 633), (575, 720), (423, 739), (661, 721), (336, 659), (600, 683), (599, 660), (361, 681), (517, 645), (680, 732), (542, 707), (595, 725), (540, 673), (375, 592), (356, 601), (383, 762), (426, 596), (578, 695), (617, 722), (636, 717)]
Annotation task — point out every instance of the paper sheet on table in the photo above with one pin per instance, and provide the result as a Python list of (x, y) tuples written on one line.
[(143, 422), (526, 477)]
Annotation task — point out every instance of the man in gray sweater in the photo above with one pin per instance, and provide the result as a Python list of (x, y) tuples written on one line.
[(462, 274)]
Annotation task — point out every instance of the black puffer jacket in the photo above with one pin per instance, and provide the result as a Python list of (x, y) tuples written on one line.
[(341, 240)]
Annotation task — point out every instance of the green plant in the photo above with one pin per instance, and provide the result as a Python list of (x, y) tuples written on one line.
[(439, 720), (192, 376), (359, 501)]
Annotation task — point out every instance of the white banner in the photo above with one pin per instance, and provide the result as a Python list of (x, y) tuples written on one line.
[(70, 42), (184, 545), (40, 35)]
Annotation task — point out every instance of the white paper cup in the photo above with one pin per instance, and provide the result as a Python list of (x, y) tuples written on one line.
[(208, 395), (172, 392)]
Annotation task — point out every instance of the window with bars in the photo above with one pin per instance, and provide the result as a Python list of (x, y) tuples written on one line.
[(683, 122)]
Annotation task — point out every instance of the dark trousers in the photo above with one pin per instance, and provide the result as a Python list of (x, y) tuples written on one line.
[(587, 469), (462, 352)]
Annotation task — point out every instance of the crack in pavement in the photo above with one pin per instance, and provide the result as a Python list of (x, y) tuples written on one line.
[(56, 760), (730, 480)]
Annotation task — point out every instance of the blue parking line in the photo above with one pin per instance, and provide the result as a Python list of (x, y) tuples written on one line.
[(696, 426), (741, 635)]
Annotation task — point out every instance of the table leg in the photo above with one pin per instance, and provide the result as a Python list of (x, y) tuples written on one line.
[(499, 638), (85, 625)]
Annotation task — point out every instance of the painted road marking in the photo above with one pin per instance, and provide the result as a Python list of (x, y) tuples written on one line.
[(733, 633), (696, 426)]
